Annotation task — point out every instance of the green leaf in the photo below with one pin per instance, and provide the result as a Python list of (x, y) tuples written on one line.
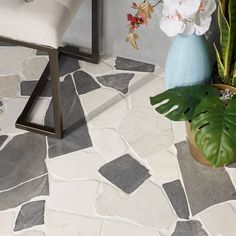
[(227, 24), (179, 103), (214, 126)]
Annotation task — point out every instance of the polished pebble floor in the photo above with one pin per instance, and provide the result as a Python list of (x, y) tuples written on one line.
[(120, 170)]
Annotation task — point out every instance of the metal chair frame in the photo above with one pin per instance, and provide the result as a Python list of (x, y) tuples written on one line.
[(52, 70)]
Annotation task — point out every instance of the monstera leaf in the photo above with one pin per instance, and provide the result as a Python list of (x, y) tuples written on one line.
[(214, 127), (180, 103)]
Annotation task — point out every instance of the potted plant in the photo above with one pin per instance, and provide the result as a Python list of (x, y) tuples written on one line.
[(210, 109), (189, 60)]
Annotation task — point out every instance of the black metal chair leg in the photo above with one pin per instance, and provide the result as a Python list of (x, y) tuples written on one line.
[(56, 98)]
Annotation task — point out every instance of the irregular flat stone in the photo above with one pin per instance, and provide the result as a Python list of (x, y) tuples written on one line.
[(219, 220), (104, 108), (127, 64), (61, 224), (187, 228), (109, 143), (176, 194), (30, 214), (84, 82), (109, 200), (22, 159), (77, 165), (12, 59), (163, 166), (6, 223), (143, 86), (27, 87), (12, 109), (34, 68), (123, 229), (204, 186), (179, 131), (68, 65), (125, 173), (76, 136), (96, 69), (76, 197), (38, 113), (3, 138), (147, 206), (32, 233), (119, 82), (9, 86), (23, 193), (146, 131)]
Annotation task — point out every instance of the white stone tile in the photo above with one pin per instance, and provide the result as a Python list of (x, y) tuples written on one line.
[(146, 131), (32, 233), (12, 59), (104, 107), (148, 206), (9, 86), (111, 228), (109, 60), (108, 142), (219, 220), (83, 164), (179, 131), (96, 69), (109, 200), (38, 114), (12, 109), (164, 166), (143, 86), (60, 224), (34, 68), (6, 223), (77, 197)]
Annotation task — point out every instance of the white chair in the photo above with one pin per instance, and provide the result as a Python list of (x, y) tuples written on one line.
[(39, 24)]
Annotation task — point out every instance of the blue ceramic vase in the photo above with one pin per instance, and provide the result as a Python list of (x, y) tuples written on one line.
[(188, 62)]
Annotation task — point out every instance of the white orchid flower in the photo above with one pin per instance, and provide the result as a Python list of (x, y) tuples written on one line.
[(187, 16)]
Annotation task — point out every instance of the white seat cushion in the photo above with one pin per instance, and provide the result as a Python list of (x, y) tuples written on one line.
[(42, 22)]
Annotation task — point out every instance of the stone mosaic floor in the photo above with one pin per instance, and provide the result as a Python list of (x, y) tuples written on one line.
[(121, 168)]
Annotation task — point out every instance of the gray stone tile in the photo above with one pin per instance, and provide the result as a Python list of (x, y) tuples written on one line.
[(175, 193), (76, 136), (131, 65), (84, 82), (30, 214), (125, 173), (204, 185), (22, 159), (119, 82), (189, 228), (2, 139), (27, 87), (23, 193), (68, 65), (1, 103), (9, 86)]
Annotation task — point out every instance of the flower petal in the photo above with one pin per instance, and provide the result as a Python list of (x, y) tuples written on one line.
[(189, 8), (171, 5), (204, 26), (189, 28), (207, 8), (171, 27)]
